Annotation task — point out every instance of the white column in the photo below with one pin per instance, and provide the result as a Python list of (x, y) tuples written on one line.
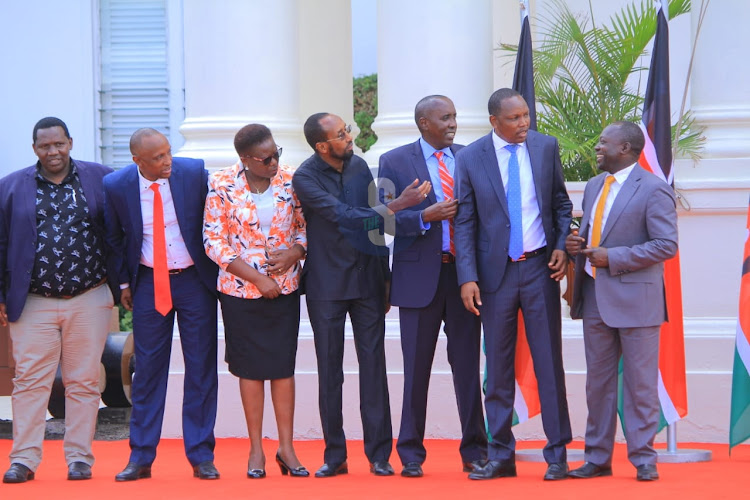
[(241, 66), (440, 47)]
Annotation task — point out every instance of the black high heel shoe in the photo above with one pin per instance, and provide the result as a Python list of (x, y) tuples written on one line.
[(256, 473), (294, 472)]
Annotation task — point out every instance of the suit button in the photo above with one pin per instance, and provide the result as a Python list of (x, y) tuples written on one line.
[(507, 225)]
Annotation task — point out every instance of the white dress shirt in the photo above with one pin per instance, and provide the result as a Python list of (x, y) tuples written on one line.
[(178, 256), (533, 230), (614, 188)]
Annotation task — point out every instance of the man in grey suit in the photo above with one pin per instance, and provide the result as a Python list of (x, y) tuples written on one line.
[(628, 229), (513, 216)]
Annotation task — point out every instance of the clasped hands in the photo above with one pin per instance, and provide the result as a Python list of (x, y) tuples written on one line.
[(597, 256)]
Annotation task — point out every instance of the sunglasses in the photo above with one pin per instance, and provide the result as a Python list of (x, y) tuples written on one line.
[(267, 160)]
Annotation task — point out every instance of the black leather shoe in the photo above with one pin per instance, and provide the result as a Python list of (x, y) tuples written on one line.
[(206, 470), (412, 469), (330, 470), (646, 472), (381, 468), (555, 472), (494, 469), (18, 473), (78, 471), (134, 471), (474, 465), (589, 470), (292, 471)]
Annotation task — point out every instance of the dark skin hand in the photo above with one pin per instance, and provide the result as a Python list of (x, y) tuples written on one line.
[(414, 194), (3, 316), (279, 261), (575, 244), (126, 299), (443, 210), (558, 262)]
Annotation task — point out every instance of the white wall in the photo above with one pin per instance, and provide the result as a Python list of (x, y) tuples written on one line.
[(47, 61)]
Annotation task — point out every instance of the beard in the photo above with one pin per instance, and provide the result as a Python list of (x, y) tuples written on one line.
[(342, 156)]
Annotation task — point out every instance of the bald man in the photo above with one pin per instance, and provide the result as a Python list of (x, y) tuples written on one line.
[(425, 288), (154, 215)]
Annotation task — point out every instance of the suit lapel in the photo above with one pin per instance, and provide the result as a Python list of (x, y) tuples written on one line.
[(177, 187), (537, 164), (132, 191), (628, 189), (29, 187), (595, 185), (492, 169), (88, 188)]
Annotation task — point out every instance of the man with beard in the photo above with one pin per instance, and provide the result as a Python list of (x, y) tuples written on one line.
[(346, 272), (425, 287)]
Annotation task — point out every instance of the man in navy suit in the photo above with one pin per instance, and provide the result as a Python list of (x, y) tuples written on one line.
[(189, 276), (513, 216), (425, 288), (52, 272)]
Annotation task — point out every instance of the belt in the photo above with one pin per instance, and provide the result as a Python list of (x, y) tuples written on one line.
[(95, 285), (448, 258), (171, 271), (528, 255)]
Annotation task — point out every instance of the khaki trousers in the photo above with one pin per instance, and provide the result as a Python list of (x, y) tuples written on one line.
[(71, 332)]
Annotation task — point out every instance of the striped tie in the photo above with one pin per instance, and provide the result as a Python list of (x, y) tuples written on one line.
[(446, 182), (596, 229)]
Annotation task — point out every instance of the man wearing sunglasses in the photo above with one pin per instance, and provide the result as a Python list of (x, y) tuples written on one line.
[(154, 222), (345, 272)]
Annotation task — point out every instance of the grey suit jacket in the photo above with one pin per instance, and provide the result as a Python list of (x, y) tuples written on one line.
[(639, 235)]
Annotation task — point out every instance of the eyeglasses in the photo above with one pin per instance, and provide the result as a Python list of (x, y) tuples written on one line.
[(267, 160), (342, 135)]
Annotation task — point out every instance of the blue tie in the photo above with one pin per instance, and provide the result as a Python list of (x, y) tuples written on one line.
[(515, 247)]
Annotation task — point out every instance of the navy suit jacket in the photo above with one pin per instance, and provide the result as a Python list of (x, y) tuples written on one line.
[(416, 256), (189, 185), (18, 228), (482, 225)]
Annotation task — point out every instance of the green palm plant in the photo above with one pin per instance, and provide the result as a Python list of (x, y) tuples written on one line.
[(584, 76)]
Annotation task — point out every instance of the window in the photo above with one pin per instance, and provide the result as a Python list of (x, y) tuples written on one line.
[(141, 73)]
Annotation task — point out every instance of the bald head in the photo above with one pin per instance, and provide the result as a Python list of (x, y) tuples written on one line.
[(136, 140), (436, 119)]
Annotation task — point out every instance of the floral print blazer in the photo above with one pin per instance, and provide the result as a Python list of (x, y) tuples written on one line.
[(231, 229)]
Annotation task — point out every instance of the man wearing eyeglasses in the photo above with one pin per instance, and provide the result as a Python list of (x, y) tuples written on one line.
[(346, 272), (154, 215)]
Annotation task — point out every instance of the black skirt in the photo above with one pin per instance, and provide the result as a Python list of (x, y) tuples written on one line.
[(261, 335)]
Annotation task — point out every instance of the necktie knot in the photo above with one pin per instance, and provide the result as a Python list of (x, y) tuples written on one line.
[(439, 156), (512, 148), (609, 180), (154, 187)]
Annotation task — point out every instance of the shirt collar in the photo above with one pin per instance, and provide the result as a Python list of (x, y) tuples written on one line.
[(622, 175), (500, 143), (428, 150), (146, 184)]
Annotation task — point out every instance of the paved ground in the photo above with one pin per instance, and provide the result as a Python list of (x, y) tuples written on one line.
[(112, 424)]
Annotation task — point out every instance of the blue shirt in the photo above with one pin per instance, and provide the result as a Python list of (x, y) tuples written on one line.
[(434, 169)]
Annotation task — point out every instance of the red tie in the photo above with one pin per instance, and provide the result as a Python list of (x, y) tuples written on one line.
[(162, 292), (446, 182)]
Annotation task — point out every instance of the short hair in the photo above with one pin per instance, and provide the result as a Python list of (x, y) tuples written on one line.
[(138, 135), (314, 132), (497, 97), (49, 122), (631, 133), (424, 105), (250, 135)]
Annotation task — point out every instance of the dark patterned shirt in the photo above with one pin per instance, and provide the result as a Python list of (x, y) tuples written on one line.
[(69, 254)]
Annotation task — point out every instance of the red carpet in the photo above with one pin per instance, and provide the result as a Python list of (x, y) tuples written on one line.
[(724, 477)]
